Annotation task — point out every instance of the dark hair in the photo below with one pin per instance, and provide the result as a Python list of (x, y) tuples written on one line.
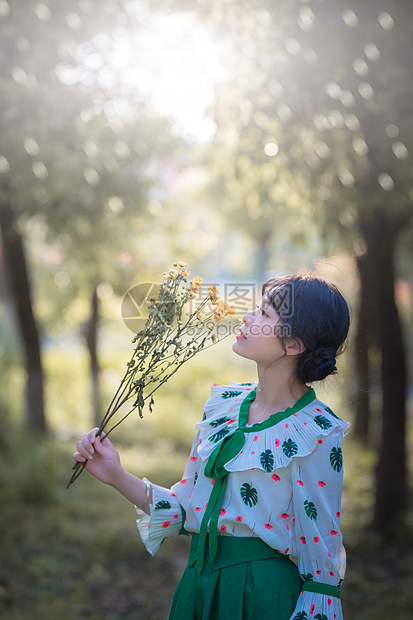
[(315, 312)]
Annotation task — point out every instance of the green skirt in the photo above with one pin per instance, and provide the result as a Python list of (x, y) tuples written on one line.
[(248, 580)]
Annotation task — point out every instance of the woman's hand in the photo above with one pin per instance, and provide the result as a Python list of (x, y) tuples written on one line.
[(102, 458)]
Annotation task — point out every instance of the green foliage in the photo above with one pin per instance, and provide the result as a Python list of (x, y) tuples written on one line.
[(322, 422), (289, 447), (267, 460), (336, 459), (249, 495), (230, 394), (219, 421), (162, 505), (218, 435), (310, 510)]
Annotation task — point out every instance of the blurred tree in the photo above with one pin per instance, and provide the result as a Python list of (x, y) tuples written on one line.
[(77, 155), (324, 89)]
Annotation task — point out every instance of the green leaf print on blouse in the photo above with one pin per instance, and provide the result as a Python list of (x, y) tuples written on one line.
[(249, 495), (322, 422), (218, 435), (307, 577), (320, 617), (290, 448), (162, 505), (302, 615), (267, 460), (310, 510), (331, 412), (336, 459), (230, 394), (219, 421)]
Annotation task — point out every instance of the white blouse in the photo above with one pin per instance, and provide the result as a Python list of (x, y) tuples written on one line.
[(284, 485)]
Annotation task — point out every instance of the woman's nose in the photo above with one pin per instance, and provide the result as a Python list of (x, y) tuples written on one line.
[(247, 318)]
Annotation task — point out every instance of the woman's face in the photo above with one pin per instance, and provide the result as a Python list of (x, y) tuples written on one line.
[(258, 337)]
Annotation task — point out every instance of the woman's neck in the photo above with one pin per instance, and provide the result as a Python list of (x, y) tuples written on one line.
[(276, 391)]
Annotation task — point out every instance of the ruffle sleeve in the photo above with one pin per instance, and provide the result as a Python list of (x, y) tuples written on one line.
[(317, 486), (168, 507)]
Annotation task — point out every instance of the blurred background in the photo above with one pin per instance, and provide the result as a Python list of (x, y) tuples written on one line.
[(249, 139)]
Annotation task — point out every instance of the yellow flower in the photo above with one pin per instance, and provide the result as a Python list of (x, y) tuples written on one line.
[(196, 283), (182, 263), (230, 310), (213, 293), (219, 312), (185, 272)]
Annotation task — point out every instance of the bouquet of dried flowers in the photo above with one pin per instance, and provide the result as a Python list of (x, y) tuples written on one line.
[(170, 338)]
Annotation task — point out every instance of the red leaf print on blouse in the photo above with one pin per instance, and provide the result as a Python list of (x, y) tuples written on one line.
[(300, 482), (268, 526), (303, 540), (276, 477), (331, 573), (316, 539), (183, 481), (239, 519), (318, 572), (321, 483), (329, 601), (197, 509), (333, 532), (166, 524), (312, 610), (222, 512), (277, 442), (320, 441), (175, 516), (256, 438), (223, 528), (287, 550), (338, 515), (193, 458), (284, 515)]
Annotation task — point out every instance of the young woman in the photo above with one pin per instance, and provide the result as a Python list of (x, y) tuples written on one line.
[(263, 481)]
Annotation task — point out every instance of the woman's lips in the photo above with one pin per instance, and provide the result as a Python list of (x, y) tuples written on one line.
[(241, 336)]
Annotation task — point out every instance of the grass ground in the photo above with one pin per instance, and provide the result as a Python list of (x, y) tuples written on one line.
[(76, 553)]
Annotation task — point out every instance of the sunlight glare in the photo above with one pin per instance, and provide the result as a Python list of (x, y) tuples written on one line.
[(171, 61)]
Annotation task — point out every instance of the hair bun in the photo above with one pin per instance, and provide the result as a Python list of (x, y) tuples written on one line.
[(316, 365)]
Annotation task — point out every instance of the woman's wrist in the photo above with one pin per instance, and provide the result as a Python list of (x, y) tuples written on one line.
[(134, 489)]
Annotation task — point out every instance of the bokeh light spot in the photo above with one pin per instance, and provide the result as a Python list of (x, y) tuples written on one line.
[(271, 149), (392, 131), (42, 11), (385, 20), (385, 181), (92, 176), (323, 193), (350, 18), (4, 165), (40, 170), (372, 51), (361, 67), (400, 150), (366, 91), (4, 8)]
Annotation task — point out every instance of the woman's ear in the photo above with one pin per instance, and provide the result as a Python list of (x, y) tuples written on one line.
[(294, 346)]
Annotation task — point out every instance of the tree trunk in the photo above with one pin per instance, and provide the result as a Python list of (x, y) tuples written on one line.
[(363, 331), (391, 485), (17, 270), (91, 339)]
